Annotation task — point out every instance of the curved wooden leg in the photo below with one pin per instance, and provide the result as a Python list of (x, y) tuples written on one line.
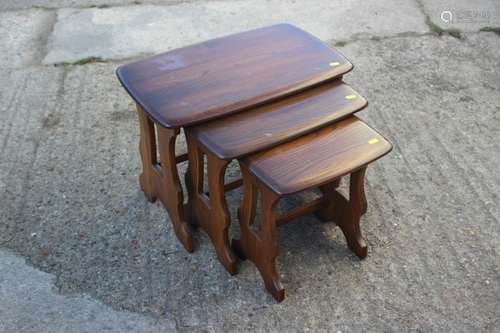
[(346, 214), (357, 205), (269, 236), (332, 205), (171, 190), (188, 213), (147, 149), (262, 248), (271, 279), (360, 190), (209, 213), (194, 182), (246, 214), (219, 214)]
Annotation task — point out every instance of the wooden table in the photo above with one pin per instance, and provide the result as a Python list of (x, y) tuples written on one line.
[(210, 80), (251, 131), (315, 160)]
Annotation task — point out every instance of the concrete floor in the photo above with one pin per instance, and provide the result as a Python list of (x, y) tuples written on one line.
[(82, 250)]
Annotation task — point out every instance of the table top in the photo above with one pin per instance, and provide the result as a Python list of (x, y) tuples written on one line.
[(273, 123), (218, 77), (319, 157)]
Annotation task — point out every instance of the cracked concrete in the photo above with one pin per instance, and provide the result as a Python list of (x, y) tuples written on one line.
[(23, 36), (6, 5), (125, 32), (71, 207), (463, 15)]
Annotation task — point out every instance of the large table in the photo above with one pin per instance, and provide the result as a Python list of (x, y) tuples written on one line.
[(211, 80)]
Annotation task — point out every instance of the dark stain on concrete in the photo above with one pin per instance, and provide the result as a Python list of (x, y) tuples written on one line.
[(122, 115), (51, 121)]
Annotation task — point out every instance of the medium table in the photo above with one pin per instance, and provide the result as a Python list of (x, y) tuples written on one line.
[(248, 132)]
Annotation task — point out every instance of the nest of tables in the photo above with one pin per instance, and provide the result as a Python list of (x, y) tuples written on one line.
[(274, 100)]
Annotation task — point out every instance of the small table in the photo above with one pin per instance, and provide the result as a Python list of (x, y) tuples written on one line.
[(315, 160), (210, 80)]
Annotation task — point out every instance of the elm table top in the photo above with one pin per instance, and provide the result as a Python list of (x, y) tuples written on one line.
[(332, 151), (204, 81), (273, 123)]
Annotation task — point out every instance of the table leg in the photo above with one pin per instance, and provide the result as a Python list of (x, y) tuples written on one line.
[(260, 247), (211, 212), (147, 149), (162, 179), (357, 208), (347, 213)]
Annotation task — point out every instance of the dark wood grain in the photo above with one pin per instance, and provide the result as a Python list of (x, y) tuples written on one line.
[(260, 246), (147, 150), (335, 151), (221, 76), (159, 178), (271, 124), (318, 159), (210, 212), (347, 212)]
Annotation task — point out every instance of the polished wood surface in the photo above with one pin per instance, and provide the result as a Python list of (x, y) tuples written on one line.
[(159, 178), (335, 150), (282, 110), (261, 246), (318, 159), (271, 124), (225, 75), (247, 132), (347, 212), (210, 212)]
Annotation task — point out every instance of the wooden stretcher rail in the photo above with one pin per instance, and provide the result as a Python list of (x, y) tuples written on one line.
[(306, 208), (233, 185), (181, 158)]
